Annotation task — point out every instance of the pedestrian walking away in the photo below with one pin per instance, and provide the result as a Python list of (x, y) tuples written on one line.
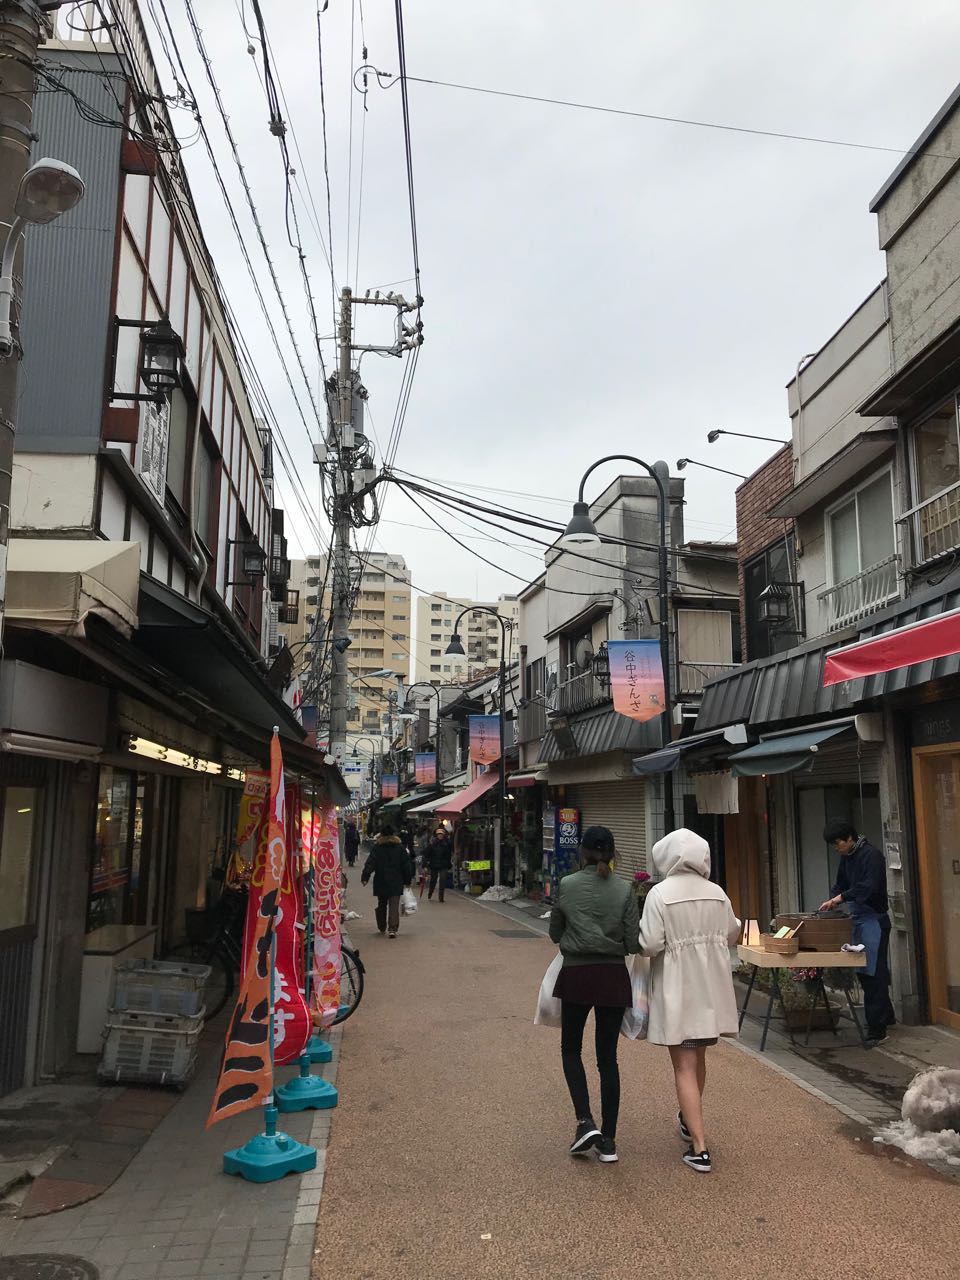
[(392, 870), (596, 924), (861, 890), (439, 859), (687, 929), (351, 842)]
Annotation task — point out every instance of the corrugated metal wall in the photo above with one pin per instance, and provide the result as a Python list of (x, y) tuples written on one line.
[(68, 268)]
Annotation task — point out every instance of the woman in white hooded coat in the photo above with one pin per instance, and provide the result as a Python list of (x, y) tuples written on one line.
[(687, 929)]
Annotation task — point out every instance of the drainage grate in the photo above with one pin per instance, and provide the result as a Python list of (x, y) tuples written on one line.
[(46, 1266), (502, 933)]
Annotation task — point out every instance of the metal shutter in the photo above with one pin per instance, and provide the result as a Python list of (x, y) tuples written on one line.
[(841, 764), (621, 806)]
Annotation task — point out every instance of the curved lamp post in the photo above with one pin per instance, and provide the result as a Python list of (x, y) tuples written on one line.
[(582, 532), (374, 753), (455, 649)]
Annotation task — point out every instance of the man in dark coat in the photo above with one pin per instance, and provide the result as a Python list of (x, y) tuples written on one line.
[(351, 842), (391, 868), (439, 858), (861, 888)]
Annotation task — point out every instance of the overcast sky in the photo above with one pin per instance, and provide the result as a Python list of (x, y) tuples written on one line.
[(592, 283)]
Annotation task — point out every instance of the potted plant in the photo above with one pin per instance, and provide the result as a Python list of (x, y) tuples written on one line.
[(642, 884), (798, 988)]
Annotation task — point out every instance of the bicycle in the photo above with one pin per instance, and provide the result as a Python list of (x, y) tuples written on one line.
[(222, 951)]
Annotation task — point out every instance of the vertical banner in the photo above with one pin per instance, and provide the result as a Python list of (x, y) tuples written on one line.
[(321, 839), (291, 1018), (246, 1070), (426, 763), (636, 678), (484, 739), (389, 786), (308, 718)]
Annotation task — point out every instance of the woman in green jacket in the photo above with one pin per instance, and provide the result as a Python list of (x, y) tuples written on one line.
[(596, 921)]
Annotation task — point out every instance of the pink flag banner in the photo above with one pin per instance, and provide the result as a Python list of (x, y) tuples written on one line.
[(484, 739), (636, 678), (321, 843), (426, 765), (389, 786)]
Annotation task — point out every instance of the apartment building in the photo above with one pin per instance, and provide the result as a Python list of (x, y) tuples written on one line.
[(480, 634), (380, 630)]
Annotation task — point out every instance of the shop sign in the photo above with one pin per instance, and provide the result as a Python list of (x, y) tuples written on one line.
[(152, 447), (936, 724), (484, 739), (426, 764), (389, 786), (636, 678)]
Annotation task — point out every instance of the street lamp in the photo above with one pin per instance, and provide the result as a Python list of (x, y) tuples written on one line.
[(375, 752), (714, 435), (161, 351), (455, 650), (48, 189), (687, 462), (581, 531)]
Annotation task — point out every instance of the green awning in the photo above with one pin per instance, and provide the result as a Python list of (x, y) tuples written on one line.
[(408, 797), (783, 754)]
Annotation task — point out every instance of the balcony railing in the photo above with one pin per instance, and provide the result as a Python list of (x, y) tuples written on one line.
[(694, 675), (934, 526), (582, 691), (861, 595)]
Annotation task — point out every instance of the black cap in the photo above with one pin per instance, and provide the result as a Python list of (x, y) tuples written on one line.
[(600, 839)]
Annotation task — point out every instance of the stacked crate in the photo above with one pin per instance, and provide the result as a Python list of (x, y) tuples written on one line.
[(154, 1023)]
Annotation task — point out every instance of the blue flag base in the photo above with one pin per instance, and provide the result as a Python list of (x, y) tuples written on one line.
[(319, 1050), (270, 1156), (305, 1091)]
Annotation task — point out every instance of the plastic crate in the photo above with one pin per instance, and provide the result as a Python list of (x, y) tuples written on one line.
[(150, 1048), (159, 986)]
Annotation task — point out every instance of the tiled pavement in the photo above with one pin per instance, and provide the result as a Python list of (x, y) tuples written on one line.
[(174, 1213)]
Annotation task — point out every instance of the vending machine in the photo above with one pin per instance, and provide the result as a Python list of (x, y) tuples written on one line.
[(561, 844)]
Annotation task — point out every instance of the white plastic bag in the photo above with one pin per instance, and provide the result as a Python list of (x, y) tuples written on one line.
[(408, 903), (548, 1007), (634, 1025)]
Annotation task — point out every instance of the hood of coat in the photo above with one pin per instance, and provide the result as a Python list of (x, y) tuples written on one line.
[(682, 852), (389, 840)]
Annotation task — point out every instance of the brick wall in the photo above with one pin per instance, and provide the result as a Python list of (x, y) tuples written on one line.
[(755, 529)]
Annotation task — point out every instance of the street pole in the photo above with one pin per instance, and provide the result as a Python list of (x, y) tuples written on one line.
[(341, 554), (22, 26)]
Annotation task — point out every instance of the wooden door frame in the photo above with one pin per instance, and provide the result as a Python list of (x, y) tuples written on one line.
[(928, 874)]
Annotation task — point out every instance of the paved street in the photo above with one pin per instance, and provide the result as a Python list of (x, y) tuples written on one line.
[(454, 1124)]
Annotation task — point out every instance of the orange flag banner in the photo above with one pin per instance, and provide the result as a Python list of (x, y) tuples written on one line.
[(246, 1071)]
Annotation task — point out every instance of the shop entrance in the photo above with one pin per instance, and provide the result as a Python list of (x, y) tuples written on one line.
[(936, 780)]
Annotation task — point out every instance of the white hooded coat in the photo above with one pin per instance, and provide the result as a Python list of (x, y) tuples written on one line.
[(687, 929)]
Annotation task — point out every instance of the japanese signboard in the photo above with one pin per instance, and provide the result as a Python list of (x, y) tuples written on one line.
[(484, 739), (636, 678)]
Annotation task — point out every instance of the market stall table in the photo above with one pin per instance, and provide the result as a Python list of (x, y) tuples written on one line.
[(759, 959)]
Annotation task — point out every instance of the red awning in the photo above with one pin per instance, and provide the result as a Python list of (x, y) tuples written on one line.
[(461, 800), (919, 642)]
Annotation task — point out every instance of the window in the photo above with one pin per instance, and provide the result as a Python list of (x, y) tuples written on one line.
[(774, 565), (534, 679), (448, 608), (861, 530), (399, 617), (203, 492), (398, 635), (120, 873), (397, 657), (436, 637), (435, 653), (399, 599), (435, 666), (178, 447), (936, 465)]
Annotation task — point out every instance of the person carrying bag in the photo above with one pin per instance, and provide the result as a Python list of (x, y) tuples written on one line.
[(596, 922), (390, 866)]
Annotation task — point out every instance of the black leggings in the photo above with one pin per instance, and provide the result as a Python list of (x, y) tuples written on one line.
[(573, 1021)]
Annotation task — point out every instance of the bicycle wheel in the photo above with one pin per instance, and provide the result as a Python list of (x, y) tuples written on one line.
[(219, 985), (351, 985)]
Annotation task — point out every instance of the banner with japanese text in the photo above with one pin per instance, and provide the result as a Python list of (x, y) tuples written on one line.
[(389, 786), (426, 766), (484, 739), (321, 844), (636, 678)]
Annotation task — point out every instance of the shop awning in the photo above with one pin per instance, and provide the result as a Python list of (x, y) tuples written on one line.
[(408, 798), (527, 778), (461, 800), (668, 758), (784, 754), (55, 584), (903, 647)]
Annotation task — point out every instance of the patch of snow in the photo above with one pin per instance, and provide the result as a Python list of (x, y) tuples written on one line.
[(930, 1128)]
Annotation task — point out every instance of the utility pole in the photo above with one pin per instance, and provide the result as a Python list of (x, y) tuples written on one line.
[(22, 26), (342, 442)]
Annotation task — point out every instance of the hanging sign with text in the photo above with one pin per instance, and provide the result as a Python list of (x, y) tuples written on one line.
[(426, 763), (484, 739), (389, 786), (636, 678)]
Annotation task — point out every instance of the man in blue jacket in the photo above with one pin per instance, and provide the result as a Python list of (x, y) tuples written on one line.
[(861, 887)]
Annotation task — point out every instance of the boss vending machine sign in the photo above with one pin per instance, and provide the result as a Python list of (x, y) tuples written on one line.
[(561, 845)]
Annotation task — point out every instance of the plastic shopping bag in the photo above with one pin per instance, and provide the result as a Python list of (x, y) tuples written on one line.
[(408, 903), (634, 1025), (548, 1007)]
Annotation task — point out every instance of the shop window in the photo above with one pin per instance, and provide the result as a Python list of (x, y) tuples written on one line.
[(120, 875), (16, 856), (770, 567)]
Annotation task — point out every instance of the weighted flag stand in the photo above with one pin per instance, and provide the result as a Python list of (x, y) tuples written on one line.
[(305, 1091)]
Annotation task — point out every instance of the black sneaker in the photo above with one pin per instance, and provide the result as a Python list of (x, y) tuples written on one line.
[(874, 1038), (699, 1162), (685, 1133), (588, 1135), (607, 1151)]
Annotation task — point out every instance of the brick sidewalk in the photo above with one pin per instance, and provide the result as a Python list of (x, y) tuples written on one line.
[(174, 1214)]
